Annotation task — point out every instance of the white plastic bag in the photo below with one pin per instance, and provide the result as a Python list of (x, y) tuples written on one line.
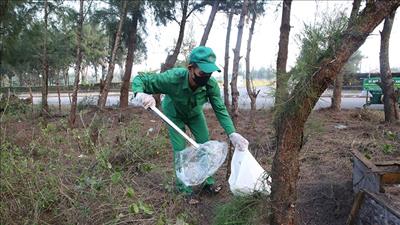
[(194, 166), (247, 176)]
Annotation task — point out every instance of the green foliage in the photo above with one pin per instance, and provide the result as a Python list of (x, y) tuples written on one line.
[(318, 41), (23, 42), (243, 210), (387, 149), (130, 192), (28, 187), (61, 177), (12, 105), (135, 149), (116, 177), (390, 135), (141, 207)]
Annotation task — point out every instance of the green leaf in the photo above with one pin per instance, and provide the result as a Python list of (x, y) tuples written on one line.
[(147, 209), (133, 208), (387, 149), (116, 177), (130, 192)]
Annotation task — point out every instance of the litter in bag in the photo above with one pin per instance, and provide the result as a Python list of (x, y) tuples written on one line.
[(194, 166), (247, 176)]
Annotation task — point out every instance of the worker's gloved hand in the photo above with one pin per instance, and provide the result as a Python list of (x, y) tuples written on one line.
[(146, 100), (239, 142)]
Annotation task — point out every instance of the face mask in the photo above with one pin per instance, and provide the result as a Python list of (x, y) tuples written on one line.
[(201, 81)]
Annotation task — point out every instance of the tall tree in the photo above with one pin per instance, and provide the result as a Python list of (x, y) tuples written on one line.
[(236, 59), (292, 117), (387, 84), (171, 58), (338, 84), (133, 27), (79, 31), (226, 58), (110, 73), (210, 22), (281, 76), (251, 90), (45, 63)]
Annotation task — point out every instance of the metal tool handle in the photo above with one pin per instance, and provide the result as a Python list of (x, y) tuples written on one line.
[(172, 124)]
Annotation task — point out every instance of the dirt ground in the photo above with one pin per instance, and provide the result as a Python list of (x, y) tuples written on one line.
[(325, 181)]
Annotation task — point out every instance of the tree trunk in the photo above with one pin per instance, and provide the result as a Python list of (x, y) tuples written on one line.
[(236, 59), (336, 99), (251, 91), (354, 11), (45, 82), (290, 122), (387, 83), (210, 22), (95, 72), (129, 58), (66, 77), (337, 92), (281, 76), (110, 73), (103, 69), (59, 97), (226, 66), (72, 114), (171, 59)]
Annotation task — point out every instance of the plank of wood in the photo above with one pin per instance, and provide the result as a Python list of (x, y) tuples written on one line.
[(364, 177), (376, 209), (358, 199), (390, 178)]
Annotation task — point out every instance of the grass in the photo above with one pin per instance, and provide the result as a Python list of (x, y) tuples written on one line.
[(243, 210), (62, 176)]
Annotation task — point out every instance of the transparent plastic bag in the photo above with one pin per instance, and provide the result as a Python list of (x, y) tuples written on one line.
[(194, 166), (247, 176)]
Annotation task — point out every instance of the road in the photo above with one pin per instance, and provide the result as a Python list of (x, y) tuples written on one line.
[(265, 99)]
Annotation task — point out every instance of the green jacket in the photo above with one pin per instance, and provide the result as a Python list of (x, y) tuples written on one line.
[(180, 101)]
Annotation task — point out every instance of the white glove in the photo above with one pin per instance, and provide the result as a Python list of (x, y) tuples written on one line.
[(239, 142), (146, 100)]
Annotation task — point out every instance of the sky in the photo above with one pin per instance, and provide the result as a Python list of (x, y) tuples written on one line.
[(266, 36)]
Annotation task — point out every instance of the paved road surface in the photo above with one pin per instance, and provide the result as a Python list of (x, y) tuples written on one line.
[(265, 99)]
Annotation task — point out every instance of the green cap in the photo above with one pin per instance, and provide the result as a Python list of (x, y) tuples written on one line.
[(204, 57)]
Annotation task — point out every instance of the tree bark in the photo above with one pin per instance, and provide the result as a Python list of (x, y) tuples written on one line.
[(96, 75), (59, 97), (45, 82), (110, 73), (387, 83), (72, 114), (290, 122), (129, 58), (251, 91), (338, 84), (236, 59), (281, 75), (171, 59), (210, 22), (226, 66), (354, 11), (336, 99)]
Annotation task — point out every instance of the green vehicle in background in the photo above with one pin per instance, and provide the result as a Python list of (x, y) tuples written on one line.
[(370, 85)]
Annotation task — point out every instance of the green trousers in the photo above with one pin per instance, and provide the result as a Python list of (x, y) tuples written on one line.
[(199, 129)]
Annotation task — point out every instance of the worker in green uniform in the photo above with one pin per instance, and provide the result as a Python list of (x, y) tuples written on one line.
[(186, 90)]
